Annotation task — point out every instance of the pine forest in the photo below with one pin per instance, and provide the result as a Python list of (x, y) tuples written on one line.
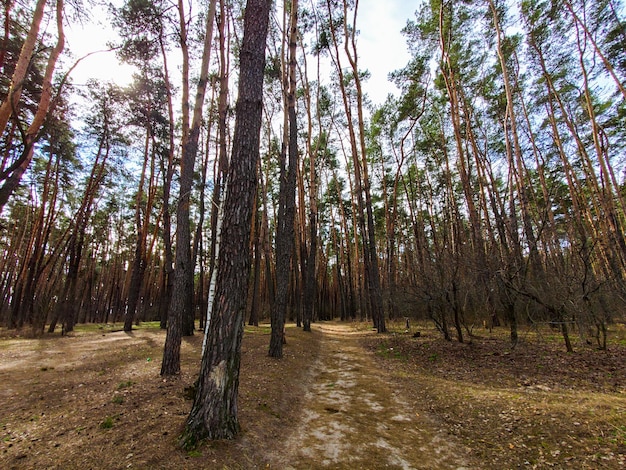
[(244, 176)]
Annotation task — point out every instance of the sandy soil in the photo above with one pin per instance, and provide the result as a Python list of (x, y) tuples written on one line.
[(354, 418)]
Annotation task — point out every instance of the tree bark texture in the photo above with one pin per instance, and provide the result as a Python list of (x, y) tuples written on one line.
[(181, 304), (285, 232), (214, 412)]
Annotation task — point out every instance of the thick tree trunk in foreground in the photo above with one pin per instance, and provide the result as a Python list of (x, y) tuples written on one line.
[(214, 412)]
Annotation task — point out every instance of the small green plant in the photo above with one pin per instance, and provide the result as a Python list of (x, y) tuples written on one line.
[(382, 349), (126, 384), (107, 423), (433, 357), (117, 399), (388, 352), (194, 453), (620, 435)]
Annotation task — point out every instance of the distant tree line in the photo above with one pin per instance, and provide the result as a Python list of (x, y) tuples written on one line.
[(489, 192)]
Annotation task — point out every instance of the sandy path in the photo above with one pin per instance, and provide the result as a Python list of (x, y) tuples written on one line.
[(353, 419)]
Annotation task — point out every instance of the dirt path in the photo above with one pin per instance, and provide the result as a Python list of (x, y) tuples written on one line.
[(352, 418)]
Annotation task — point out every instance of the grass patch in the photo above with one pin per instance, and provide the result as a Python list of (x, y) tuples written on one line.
[(619, 434), (111, 327), (107, 423), (123, 385), (97, 327), (389, 352), (258, 330)]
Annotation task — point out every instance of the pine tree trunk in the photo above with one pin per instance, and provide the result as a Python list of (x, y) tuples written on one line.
[(167, 169), (139, 261), (285, 232), (181, 305), (44, 105), (214, 411)]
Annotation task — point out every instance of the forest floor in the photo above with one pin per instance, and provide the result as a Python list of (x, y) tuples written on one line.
[(342, 397)]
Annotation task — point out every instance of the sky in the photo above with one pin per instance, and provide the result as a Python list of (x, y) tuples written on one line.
[(380, 45), (83, 39)]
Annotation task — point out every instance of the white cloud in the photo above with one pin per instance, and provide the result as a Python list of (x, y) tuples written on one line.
[(92, 36), (381, 45)]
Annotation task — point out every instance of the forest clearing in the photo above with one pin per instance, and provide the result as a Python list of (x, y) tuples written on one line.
[(341, 397)]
